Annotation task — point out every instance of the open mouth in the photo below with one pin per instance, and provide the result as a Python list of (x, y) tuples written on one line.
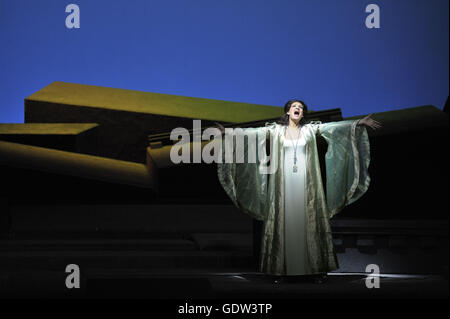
[(297, 112)]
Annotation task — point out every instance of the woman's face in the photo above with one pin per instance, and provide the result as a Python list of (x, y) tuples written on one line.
[(296, 111)]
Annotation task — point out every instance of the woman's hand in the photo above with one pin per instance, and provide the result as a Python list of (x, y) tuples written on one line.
[(220, 127), (368, 121)]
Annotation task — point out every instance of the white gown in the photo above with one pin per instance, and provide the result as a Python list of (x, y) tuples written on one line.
[(295, 208)]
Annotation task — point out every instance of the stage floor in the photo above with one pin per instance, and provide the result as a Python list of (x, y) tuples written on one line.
[(226, 284)]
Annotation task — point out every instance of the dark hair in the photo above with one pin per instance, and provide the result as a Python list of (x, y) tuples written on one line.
[(284, 120)]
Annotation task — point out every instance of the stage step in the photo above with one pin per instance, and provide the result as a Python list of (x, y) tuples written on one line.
[(70, 137), (124, 221), (120, 259), (127, 117), (167, 244)]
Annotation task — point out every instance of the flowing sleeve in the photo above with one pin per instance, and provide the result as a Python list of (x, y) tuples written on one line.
[(347, 162), (242, 179)]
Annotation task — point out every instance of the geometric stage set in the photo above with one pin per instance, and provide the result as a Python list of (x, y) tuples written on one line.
[(87, 180)]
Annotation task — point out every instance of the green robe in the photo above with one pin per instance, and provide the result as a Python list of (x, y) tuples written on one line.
[(262, 195)]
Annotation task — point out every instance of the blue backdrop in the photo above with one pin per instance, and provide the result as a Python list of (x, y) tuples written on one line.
[(256, 51)]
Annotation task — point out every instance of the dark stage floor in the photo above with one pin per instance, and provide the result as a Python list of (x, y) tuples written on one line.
[(204, 284)]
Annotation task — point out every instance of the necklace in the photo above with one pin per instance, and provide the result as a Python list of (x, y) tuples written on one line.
[(294, 169)]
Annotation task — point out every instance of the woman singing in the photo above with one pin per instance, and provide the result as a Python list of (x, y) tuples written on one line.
[(291, 202)]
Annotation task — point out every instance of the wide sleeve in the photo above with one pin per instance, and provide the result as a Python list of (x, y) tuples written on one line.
[(347, 161), (242, 179)]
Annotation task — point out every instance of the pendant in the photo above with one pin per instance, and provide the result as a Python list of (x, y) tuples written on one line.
[(295, 169)]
